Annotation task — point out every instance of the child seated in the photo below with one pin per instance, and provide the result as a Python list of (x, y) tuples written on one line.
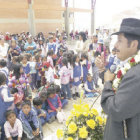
[(30, 122), (89, 87), (61, 95), (13, 126), (42, 114), (54, 102)]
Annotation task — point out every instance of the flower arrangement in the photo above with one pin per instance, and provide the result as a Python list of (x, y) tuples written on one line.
[(83, 124), (120, 72)]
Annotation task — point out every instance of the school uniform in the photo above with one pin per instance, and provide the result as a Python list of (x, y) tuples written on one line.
[(52, 46), (33, 74), (26, 68), (30, 123), (53, 104), (89, 86), (38, 75), (6, 72), (5, 102), (85, 70), (64, 101), (42, 119), (111, 59), (77, 74)]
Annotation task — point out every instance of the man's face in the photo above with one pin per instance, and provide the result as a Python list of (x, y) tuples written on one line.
[(123, 49)]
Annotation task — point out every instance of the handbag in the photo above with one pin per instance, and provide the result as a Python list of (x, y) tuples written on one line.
[(61, 116)]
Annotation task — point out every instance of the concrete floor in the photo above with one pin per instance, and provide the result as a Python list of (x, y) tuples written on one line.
[(49, 130)]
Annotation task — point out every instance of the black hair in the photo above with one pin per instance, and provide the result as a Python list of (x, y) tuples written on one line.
[(20, 58), (65, 61), (9, 112), (28, 56), (37, 57), (37, 101), (83, 55), (16, 71), (50, 52), (51, 90), (74, 59), (2, 78), (96, 54), (83, 35), (71, 51), (14, 90), (43, 94), (57, 88), (3, 63), (89, 75), (26, 102), (70, 57), (65, 54), (131, 37)]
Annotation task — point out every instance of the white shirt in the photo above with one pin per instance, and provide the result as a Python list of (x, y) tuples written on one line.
[(122, 63), (3, 50), (5, 96), (50, 60), (10, 131), (49, 75)]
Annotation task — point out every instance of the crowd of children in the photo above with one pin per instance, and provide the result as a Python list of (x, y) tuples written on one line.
[(29, 93)]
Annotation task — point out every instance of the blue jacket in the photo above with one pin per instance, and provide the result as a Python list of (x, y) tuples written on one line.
[(90, 85), (32, 116), (77, 74)]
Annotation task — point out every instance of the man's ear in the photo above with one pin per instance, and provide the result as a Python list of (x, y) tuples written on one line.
[(134, 44)]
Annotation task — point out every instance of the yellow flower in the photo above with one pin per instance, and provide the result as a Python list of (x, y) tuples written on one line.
[(91, 115), (100, 120), (83, 133), (85, 114), (72, 128), (77, 114), (68, 120), (69, 138), (59, 133), (94, 112), (91, 123)]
